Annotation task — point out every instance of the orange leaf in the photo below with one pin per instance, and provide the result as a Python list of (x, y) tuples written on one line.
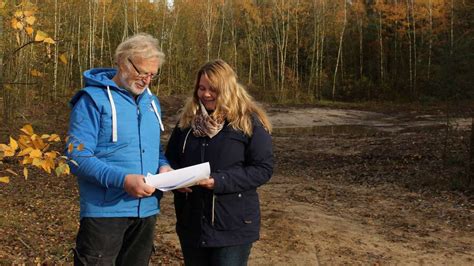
[(29, 30), (27, 160), (37, 142), (14, 21), (51, 154), (80, 147), (27, 129), (70, 147), (36, 73)]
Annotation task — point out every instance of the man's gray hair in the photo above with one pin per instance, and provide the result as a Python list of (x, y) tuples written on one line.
[(142, 45)]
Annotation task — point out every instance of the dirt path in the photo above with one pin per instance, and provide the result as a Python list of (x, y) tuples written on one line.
[(349, 188)]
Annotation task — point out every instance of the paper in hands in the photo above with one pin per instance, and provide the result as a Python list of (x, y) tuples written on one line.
[(184, 177)]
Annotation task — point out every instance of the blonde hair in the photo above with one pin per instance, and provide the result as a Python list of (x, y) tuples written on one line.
[(233, 101), (142, 45)]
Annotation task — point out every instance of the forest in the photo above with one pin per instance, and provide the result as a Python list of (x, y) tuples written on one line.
[(401, 68)]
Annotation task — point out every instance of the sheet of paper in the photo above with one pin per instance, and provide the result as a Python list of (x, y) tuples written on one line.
[(184, 177)]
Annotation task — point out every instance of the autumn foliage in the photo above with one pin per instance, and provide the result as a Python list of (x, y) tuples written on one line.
[(31, 149)]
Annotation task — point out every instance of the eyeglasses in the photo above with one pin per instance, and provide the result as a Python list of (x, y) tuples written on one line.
[(140, 75)]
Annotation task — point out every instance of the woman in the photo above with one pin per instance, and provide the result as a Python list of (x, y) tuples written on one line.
[(219, 219)]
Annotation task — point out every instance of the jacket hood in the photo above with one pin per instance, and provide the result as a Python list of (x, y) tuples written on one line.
[(100, 77)]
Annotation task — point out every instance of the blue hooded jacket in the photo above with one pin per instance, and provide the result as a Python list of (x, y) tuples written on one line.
[(113, 134)]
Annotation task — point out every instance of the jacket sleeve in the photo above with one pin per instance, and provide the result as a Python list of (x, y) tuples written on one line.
[(257, 169), (84, 129)]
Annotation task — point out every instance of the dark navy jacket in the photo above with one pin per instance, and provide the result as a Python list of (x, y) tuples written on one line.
[(229, 214)]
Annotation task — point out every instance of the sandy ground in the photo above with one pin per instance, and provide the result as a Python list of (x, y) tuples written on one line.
[(326, 205), (350, 187)]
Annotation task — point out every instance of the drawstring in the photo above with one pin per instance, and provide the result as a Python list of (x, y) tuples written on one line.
[(114, 116), (156, 110), (186, 139)]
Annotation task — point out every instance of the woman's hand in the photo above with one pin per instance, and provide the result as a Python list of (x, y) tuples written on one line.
[(208, 183)]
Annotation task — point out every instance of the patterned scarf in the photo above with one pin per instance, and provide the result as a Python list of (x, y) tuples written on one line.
[(205, 125)]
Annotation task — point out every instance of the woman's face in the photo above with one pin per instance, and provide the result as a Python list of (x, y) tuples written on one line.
[(207, 94)]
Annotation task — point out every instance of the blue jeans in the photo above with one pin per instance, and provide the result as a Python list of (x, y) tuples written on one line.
[(114, 241), (228, 256)]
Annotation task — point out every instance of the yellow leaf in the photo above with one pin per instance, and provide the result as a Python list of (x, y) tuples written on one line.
[(19, 25), (2, 4), (49, 40), (62, 169), (80, 147), (45, 136), (25, 151), (29, 30), (5, 179), (70, 147), (40, 36), (18, 14), (11, 172), (17, 35), (27, 129), (63, 58), (36, 73), (54, 137), (13, 144), (37, 162), (30, 20), (25, 173), (36, 153), (7, 150)]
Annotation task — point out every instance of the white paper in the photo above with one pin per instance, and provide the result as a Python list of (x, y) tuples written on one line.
[(184, 177)]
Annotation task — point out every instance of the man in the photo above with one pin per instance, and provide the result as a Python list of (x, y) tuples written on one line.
[(114, 140)]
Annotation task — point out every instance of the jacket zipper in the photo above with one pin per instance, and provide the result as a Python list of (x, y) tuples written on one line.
[(140, 151)]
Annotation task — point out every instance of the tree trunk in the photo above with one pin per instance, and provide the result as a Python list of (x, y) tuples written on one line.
[(430, 48), (339, 52), (471, 165)]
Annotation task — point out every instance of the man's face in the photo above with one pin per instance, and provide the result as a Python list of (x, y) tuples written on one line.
[(136, 73)]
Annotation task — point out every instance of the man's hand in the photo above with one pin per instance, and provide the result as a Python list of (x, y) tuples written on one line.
[(135, 186)]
